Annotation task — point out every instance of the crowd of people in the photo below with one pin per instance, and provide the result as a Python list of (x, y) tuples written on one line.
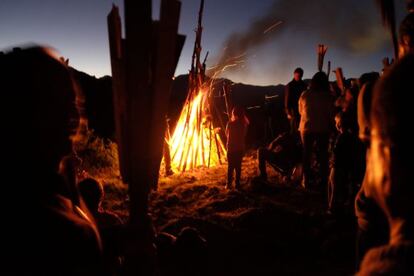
[(362, 130), (55, 225)]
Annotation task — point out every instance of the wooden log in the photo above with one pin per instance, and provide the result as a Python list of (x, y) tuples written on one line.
[(211, 142), (227, 91), (138, 30), (321, 56), (165, 64), (142, 69), (387, 8), (340, 79), (217, 147), (329, 69), (118, 84)]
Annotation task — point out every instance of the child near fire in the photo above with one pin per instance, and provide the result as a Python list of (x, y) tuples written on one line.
[(236, 133), (346, 158)]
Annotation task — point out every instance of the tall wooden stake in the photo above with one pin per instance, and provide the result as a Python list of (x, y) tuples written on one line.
[(387, 8), (321, 56), (143, 65)]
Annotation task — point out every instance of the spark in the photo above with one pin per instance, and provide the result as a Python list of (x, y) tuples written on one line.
[(273, 27)]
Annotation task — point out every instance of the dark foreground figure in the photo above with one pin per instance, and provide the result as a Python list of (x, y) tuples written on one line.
[(389, 174), (44, 229), (109, 224)]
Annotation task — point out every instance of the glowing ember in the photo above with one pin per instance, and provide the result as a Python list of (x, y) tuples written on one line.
[(195, 142)]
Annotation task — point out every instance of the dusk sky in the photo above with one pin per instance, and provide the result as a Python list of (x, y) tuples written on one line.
[(351, 28)]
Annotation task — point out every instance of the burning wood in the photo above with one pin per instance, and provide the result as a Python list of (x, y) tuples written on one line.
[(226, 93), (195, 141)]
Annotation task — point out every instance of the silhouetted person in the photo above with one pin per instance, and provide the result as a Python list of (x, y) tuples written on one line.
[(191, 250), (109, 224), (44, 232), (343, 179), (236, 131), (389, 171), (185, 254), (166, 254), (293, 91), (316, 107), (283, 154), (371, 222)]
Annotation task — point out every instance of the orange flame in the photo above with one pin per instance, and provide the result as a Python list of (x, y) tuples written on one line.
[(195, 143)]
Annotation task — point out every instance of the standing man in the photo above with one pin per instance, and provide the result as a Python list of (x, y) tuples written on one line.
[(293, 91)]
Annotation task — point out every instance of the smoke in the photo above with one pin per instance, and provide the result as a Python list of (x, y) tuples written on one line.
[(350, 25)]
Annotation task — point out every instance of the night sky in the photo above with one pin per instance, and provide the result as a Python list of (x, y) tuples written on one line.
[(78, 30)]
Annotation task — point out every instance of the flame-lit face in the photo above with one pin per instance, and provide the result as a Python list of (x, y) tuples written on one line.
[(297, 76), (195, 142), (388, 177), (405, 46), (378, 174)]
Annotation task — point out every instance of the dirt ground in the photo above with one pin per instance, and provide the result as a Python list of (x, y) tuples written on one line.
[(273, 228)]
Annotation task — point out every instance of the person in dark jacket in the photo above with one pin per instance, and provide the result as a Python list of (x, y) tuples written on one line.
[(293, 91)]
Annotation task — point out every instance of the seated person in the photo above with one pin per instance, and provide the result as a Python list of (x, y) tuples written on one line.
[(283, 154), (109, 224)]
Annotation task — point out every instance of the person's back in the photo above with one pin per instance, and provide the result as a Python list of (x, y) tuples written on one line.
[(316, 109), (236, 136), (236, 131)]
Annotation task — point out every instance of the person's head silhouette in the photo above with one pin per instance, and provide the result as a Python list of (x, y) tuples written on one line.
[(92, 193), (389, 167), (40, 114), (47, 233)]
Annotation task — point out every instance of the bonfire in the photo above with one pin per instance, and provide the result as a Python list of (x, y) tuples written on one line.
[(195, 141)]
